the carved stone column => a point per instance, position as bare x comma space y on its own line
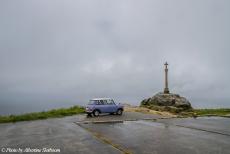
166, 89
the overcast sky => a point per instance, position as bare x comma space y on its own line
66, 52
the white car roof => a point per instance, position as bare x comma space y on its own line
94, 99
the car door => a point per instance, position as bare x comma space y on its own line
112, 107
103, 106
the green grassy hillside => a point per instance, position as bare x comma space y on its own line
43, 115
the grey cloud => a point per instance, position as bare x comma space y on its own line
61, 53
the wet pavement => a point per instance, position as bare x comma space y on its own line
131, 133
128, 116
160, 138
58, 133
212, 124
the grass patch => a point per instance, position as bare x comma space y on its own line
212, 112
191, 112
43, 115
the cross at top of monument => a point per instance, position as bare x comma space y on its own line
166, 64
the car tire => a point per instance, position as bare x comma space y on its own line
89, 115
96, 113
119, 112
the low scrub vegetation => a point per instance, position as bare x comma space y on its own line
191, 112
212, 112
43, 115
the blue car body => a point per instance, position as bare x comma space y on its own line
103, 105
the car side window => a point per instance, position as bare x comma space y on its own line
110, 102
101, 102
105, 102
97, 102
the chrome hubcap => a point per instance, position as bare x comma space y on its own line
96, 113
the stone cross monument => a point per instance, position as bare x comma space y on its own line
173, 102
166, 89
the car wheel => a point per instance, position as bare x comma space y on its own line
96, 113
119, 111
89, 115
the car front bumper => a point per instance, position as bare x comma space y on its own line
87, 110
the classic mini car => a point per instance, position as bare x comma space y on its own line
97, 106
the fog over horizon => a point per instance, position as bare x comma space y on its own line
63, 53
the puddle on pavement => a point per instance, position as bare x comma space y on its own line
217, 125
153, 135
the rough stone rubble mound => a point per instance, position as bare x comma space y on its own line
169, 100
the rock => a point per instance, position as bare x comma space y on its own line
170, 101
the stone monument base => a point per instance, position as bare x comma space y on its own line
167, 102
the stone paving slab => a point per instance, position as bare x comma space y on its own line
160, 138
58, 133
219, 125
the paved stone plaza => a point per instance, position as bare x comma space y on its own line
132, 133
